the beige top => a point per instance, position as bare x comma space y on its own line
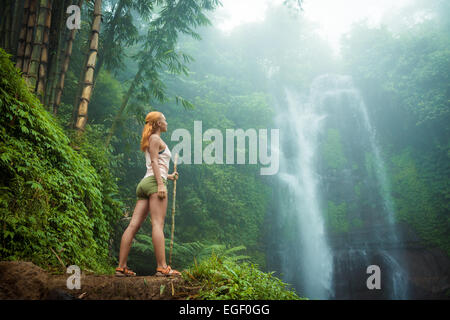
163, 163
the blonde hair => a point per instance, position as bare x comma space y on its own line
150, 127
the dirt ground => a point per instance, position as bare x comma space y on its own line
26, 281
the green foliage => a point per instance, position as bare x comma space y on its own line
158, 52
403, 74
92, 147
415, 203
223, 278
332, 150
227, 211
51, 196
142, 255
105, 99
336, 217
410, 69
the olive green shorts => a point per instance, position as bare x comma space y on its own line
147, 186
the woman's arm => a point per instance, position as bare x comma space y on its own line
155, 142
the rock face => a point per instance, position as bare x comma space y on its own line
429, 273
408, 269
25, 281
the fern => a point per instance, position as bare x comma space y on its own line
52, 196
222, 278
184, 255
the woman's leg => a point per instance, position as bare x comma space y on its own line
139, 215
158, 208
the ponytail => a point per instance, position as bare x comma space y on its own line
149, 128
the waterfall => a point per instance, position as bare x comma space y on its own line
298, 175
380, 169
333, 207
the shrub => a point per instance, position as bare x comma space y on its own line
51, 197
222, 278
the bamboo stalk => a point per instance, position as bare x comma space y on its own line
65, 66
5, 27
173, 207
43, 63
15, 27
109, 39
77, 97
54, 44
33, 71
31, 23
22, 35
89, 68
57, 49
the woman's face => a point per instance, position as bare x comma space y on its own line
163, 123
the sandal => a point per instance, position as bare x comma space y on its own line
125, 272
167, 272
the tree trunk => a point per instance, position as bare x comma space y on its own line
31, 24
38, 44
64, 67
57, 44
22, 36
10, 20
60, 34
5, 26
15, 27
78, 95
56, 31
3, 18
109, 38
43, 65
89, 68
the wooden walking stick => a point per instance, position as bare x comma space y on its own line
173, 207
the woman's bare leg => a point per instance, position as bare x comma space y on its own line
139, 215
158, 208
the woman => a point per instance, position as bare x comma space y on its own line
152, 195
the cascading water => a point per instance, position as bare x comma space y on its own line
315, 260
335, 215
380, 170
